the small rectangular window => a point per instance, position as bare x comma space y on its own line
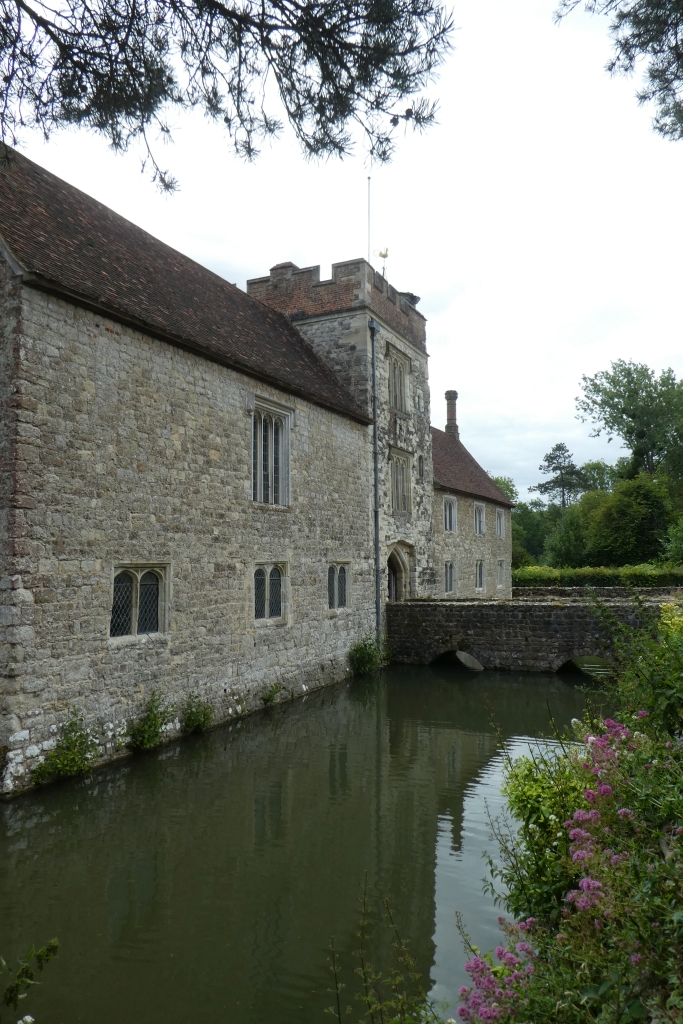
501, 574
449, 577
398, 373
500, 522
268, 592
479, 575
479, 521
449, 515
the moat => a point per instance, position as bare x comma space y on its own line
204, 881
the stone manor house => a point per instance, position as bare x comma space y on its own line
188, 493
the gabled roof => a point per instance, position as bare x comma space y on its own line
65, 242
456, 470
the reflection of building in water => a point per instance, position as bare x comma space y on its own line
207, 881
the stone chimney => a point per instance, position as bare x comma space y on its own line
451, 420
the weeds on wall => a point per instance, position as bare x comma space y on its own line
73, 754
146, 732
197, 715
24, 977
270, 695
367, 656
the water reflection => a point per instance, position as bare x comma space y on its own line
205, 881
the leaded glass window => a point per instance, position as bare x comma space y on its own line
122, 606
138, 606
148, 604
260, 594
331, 587
275, 596
341, 587
270, 458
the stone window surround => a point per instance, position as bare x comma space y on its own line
265, 406
283, 620
479, 575
500, 523
501, 573
450, 578
137, 569
334, 612
450, 522
479, 520
399, 361
400, 456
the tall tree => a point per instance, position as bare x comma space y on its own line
118, 66
649, 32
566, 479
645, 410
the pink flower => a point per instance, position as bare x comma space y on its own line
580, 855
635, 958
590, 795
643, 714
590, 885
624, 812
605, 790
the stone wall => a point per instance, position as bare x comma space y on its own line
532, 636
463, 547
134, 451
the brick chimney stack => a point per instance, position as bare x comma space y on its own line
451, 420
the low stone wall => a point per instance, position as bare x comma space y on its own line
539, 635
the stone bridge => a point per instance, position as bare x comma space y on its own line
538, 630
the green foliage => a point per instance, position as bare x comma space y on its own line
599, 576
600, 475
270, 695
120, 69
630, 526
507, 485
197, 715
24, 977
595, 864
673, 551
73, 754
646, 411
568, 542
146, 732
542, 791
532, 522
566, 479
367, 656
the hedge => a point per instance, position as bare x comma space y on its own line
624, 576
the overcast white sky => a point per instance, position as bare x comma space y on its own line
540, 221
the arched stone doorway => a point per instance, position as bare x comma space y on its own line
398, 575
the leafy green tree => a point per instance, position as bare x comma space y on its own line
645, 410
507, 485
649, 32
599, 475
566, 479
119, 66
534, 521
673, 552
631, 525
567, 545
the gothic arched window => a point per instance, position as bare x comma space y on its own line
275, 596
148, 604
268, 592
138, 606
260, 594
270, 458
341, 587
331, 587
122, 606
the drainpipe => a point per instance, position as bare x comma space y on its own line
374, 328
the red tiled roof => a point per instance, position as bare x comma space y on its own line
68, 243
456, 470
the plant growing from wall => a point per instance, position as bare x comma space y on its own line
197, 715
367, 656
24, 977
270, 695
146, 732
73, 754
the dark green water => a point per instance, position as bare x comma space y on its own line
204, 882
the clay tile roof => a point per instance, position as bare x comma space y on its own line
456, 470
66, 242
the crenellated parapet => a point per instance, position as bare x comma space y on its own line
354, 285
